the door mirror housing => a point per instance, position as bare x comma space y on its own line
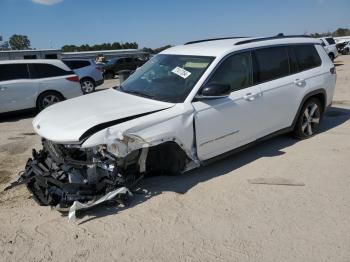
213, 91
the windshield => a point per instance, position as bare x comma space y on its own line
167, 77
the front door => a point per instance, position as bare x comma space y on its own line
226, 123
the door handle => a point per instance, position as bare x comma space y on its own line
2, 88
250, 96
299, 82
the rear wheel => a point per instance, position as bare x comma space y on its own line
87, 86
47, 99
309, 120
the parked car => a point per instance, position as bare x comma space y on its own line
187, 106
330, 46
26, 84
345, 48
90, 74
114, 66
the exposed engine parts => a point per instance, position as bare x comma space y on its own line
69, 178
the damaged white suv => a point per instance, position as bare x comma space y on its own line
186, 106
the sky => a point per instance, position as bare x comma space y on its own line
155, 23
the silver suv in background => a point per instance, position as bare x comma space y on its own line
329, 45
39, 83
90, 74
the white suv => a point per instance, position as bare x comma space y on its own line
26, 84
186, 106
90, 74
330, 46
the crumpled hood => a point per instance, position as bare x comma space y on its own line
69, 120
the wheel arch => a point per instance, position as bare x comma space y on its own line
88, 78
47, 91
319, 94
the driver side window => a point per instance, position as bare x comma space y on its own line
235, 71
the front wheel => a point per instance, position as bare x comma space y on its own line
309, 120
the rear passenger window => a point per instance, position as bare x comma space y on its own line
76, 64
307, 57
235, 71
46, 70
13, 72
271, 63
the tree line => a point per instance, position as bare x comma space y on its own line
336, 33
98, 47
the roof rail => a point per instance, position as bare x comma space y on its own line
213, 39
278, 36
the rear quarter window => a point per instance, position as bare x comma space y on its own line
270, 63
330, 41
46, 70
13, 72
307, 57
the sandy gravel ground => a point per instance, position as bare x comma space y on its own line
215, 213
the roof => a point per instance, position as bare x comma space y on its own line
225, 46
29, 61
31, 50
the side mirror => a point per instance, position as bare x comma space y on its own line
212, 91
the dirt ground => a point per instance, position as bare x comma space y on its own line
215, 213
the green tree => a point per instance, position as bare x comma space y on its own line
19, 42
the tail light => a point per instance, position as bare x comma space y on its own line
99, 68
73, 78
333, 70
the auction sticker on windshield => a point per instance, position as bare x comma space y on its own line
181, 72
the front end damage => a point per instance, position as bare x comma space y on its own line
59, 175
69, 177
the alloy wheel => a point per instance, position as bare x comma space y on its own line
50, 100
311, 119
87, 86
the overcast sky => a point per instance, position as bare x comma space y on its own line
153, 23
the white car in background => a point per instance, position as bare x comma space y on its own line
26, 84
329, 45
90, 74
186, 106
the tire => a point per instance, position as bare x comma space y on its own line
47, 99
109, 75
309, 119
87, 85
331, 56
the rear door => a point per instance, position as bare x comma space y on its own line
279, 94
17, 90
308, 75
226, 123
